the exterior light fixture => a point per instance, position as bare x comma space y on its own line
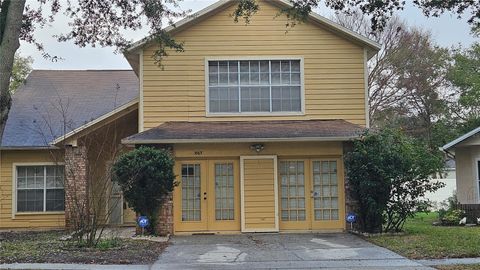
257, 147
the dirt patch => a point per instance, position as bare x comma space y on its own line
47, 247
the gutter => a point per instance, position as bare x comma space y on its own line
3, 148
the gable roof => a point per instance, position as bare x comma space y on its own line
248, 131
372, 46
460, 139
36, 118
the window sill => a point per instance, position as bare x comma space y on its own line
255, 114
39, 213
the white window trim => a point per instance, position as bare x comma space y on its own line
246, 58
476, 177
14, 188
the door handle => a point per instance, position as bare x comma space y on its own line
204, 195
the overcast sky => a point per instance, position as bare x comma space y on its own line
447, 30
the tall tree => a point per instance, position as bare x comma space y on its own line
21, 68
465, 75
383, 76
11, 14
100, 22
91, 22
422, 66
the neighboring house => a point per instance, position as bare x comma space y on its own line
258, 119
466, 150
439, 197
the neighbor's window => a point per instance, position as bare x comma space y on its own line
40, 188
254, 86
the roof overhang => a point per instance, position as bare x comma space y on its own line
247, 131
102, 120
240, 140
447, 147
132, 53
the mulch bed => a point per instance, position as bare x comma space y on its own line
47, 247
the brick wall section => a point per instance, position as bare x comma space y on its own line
76, 188
165, 216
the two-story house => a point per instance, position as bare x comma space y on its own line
257, 117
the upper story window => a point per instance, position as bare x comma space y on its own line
40, 188
255, 86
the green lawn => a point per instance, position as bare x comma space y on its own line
459, 267
422, 240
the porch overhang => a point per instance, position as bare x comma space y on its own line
247, 131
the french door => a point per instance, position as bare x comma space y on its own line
207, 197
311, 194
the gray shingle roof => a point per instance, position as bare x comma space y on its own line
176, 132
35, 118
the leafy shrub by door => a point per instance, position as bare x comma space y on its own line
390, 174
145, 176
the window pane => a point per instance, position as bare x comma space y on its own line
223, 99
286, 98
295, 64
293, 190
255, 99
254, 78
55, 200
325, 185
224, 191
30, 200
191, 193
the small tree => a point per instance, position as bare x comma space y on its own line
145, 176
390, 174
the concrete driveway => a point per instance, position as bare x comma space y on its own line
279, 251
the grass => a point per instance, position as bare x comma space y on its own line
459, 267
424, 241
47, 247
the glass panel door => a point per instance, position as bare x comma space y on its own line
325, 190
293, 184
191, 197
223, 195
224, 191
292, 191
191, 192
327, 194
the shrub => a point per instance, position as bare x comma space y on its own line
145, 176
390, 174
452, 217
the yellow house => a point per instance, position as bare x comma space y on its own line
258, 119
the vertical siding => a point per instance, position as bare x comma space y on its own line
333, 68
42, 220
259, 194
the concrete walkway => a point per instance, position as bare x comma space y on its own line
279, 251
262, 251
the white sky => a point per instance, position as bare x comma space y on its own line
447, 30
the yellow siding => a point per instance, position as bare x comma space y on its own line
333, 68
259, 195
290, 149
43, 220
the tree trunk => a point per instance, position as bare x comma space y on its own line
12, 13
